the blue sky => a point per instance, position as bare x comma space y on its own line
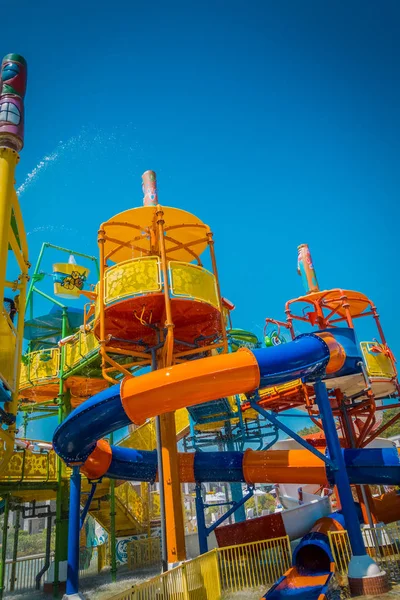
275, 122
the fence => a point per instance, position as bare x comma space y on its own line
251, 565
194, 580
382, 543
207, 577
144, 553
23, 576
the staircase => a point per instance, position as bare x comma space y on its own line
130, 511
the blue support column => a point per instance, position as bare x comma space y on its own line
237, 496
73, 532
201, 521
236, 488
340, 473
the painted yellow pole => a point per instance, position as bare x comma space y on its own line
8, 160
13, 75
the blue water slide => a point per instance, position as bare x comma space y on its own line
76, 437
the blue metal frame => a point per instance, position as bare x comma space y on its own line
73, 532
87, 505
236, 488
202, 530
340, 473
272, 419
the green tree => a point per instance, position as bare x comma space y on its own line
308, 430
265, 502
392, 429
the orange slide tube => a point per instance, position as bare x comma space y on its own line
189, 383
283, 466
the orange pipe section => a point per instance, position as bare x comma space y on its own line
337, 353
269, 466
99, 461
326, 524
283, 466
186, 467
188, 384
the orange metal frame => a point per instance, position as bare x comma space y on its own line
166, 356
332, 308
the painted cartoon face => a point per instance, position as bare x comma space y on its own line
12, 91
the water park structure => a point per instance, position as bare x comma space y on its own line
152, 352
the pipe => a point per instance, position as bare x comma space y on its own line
340, 474
15, 548
149, 188
60, 488
73, 532
4, 545
236, 488
201, 521
87, 505
113, 537
48, 551
305, 268
313, 554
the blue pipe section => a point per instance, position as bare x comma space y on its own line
133, 465
73, 532
306, 357
271, 417
219, 466
380, 464
319, 542
76, 437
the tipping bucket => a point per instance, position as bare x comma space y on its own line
69, 279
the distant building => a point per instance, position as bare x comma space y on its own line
34, 524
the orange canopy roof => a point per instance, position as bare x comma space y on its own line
333, 299
129, 234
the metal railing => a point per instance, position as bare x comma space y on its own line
379, 364
194, 580
132, 277
144, 553
26, 569
29, 466
230, 569
142, 275
245, 566
194, 282
23, 576
382, 543
83, 345
40, 365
